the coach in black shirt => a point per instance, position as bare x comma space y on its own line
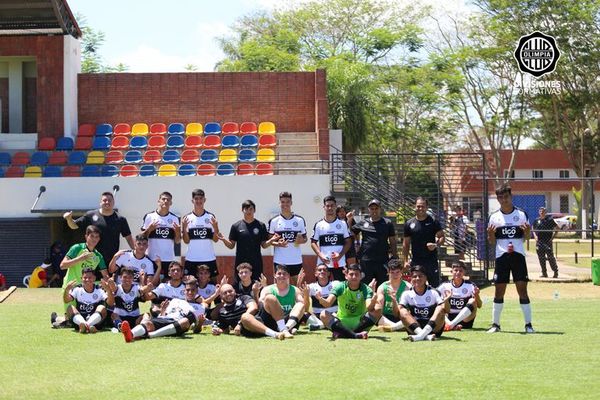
378, 242
544, 229
423, 235
228, 314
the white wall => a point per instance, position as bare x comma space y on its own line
72, 66
137, 196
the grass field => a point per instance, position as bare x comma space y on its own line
565, 250
562, 360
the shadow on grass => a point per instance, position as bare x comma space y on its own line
380, 338
534, 334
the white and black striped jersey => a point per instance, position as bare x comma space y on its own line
330, 237
129, 260
127, 303
315, 287
421, 306
508, 230
161, 241
86, 302
201, 245
287, 229
460, 294
180, 308
165, 291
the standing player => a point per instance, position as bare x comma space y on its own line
464, 299
331, 240
136, 260
422, 310
228, 316
507, 230
200, 232
389, 294
162, 229
287, 232
354, 300
423, 235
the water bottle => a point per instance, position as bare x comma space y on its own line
336, 263
556, 295
511, 248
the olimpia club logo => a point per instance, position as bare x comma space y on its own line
537, 54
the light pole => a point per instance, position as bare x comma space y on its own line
583, 188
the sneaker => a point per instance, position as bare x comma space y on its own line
294, 331
126, 329
313, 327
335, 335
287, 334
92, 329
555, 274
529, 328
543, 275
431, 337
384, 328
414, 338
494, 329
83, 328
53, 318
362, 335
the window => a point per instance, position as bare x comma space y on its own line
509, 175
563, 174
537, 174
564, 203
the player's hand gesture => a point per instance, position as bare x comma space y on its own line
391, 292
263, 280
104, 284
214, 223
431, 246
163, 307
184, 224
70, 285
350, 215
301, 276
153, 225
318, 295
447, 295
491, 231
373, 285
476, 291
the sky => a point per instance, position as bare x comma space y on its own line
165, 36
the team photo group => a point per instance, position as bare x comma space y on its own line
362, 280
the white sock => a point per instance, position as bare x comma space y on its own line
94, 319
138, 331
271, 333
424, 332
281, 325
78, 319
164, 331
464, 313
418, 331
496, 311
526, 308
397, 326
290, 324
313, 320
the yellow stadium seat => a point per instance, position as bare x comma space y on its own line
167, 170
228, 156
194, 129
33, 171
139, 129
265, 155
95, 157
266, 128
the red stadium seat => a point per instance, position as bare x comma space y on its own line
157, 142
47, 144
264, 169
57, 158
113, 157
267, 141
190, 155
129, 170
119, 142
13, 172
248, 128
152, 156
193, 142
158, 128
230, 128
20, 158
212, 141
122, 129
83, 143
245, 169
71, 171
86, 130
206, 170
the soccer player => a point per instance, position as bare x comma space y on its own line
354, 300
175, 318
136, 260
423, 235
89, 311
422, 309
200, 232
287, 232
248, 235
507, 230
174, 288
281, 307
464, 299
245, 285
227, 316
388, 294
128, 294
331, 240
378, 243
324, 285
162, 229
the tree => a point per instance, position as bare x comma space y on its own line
91, 60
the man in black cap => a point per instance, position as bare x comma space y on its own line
544, 230
378, 244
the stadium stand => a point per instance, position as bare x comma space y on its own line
206, 170
225, 170
175, 142
33, 171
122, 129
20, 158
167, 170
267, 141
66, 143
157, 142
230, 141
133, 156
86, 130
230, 128
39, 158
95, 157
76, 158
209, 155
120, 142
147, 170
101, 143
138, 142
248, 128
114, 157
212, 142
152, 156
265, 155
249, 141
5, 158
171, 156
90, 171
52, 171
176, 128
186, 170
104, 130
58, 158
245, 169
128, 170
266, 128
158, 128
212, 128
82, 143
47, 144
139, 129
13, 172
190, 156
109, 171
228, 156
193, 142
264, 169
71, 171
194, 129
247, 155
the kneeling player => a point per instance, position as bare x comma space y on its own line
354, 298
128, 296
464, 299
175, 318
89, 311
422, 310
281, 307
227, 316
388, 294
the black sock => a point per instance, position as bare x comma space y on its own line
365, 323
337, 327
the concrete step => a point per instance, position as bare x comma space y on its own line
304, 156
297, 149
18, 141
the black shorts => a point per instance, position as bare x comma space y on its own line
130, 319
391, 317
431, 268
191, 267
264, 317
337, 274
294, 269
465, 325
509, 263
161, 322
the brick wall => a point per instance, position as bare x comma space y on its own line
285, 98
48, 51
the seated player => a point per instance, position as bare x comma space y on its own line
175, 318
136, 260
227, 316
388, 294
281, 307
244, 284
174, 288
354, 300
89, 311
422, 310
324, 286
464, 299
206, 289
127, 297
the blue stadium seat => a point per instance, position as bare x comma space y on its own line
2, 172
212, 128
101, 143
231, 141
133, 156
246, 155
147, 170
176, 128
5, 158
171, 156
104, 130
209, 155
175, 142
39, 158
109, 170
52, 171
225, 170
186, 170
65, 144
77, 158
249, 141
90, 170
138, 142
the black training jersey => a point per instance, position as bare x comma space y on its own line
421, 233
